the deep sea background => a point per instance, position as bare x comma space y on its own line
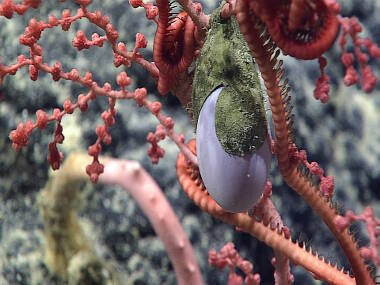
342, 135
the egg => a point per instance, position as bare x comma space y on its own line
235, 182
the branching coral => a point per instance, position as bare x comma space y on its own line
302, 29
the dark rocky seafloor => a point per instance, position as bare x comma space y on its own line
342, 135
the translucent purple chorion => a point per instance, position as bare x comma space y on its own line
234, 182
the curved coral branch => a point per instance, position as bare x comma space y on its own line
265, 54
302, 29
174, 44
192, 184
149, 196
134, 179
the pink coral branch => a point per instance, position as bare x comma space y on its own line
229, 257
373, 229
266, 211
145, 191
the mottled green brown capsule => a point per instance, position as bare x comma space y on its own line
240, 118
